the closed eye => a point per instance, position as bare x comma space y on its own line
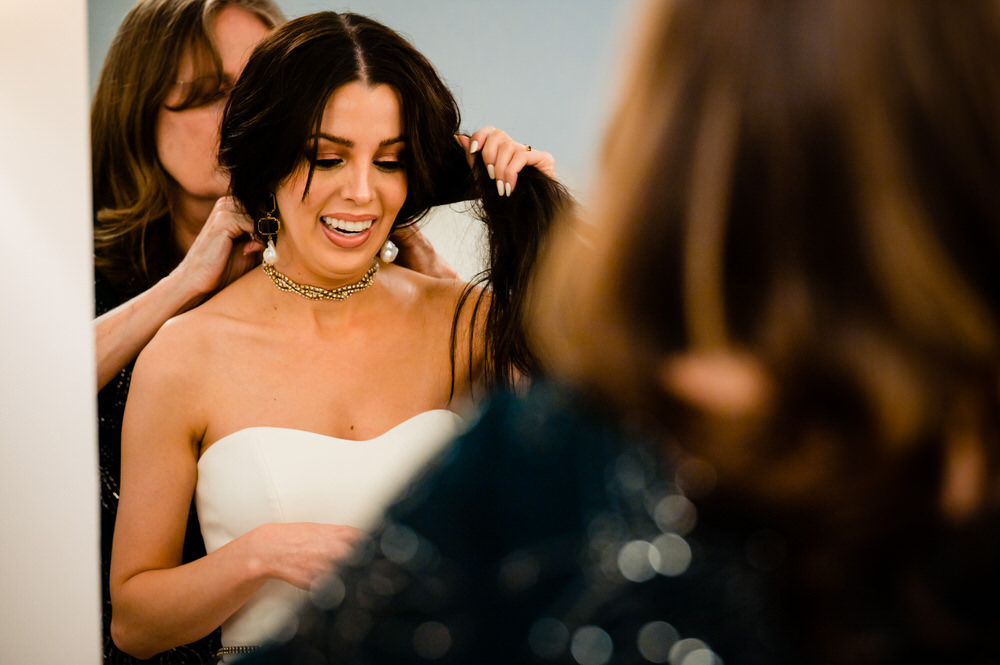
389, 164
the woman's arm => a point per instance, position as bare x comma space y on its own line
221, 252
158, 603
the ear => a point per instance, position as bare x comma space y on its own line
721, 383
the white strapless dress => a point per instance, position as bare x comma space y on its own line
261, 475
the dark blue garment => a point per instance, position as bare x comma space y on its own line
547, 534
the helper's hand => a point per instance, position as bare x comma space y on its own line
417, 253
223, 250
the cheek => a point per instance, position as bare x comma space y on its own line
187, 145
288, 195
191, 134
203, 131
291, 189
398, 191
166, 133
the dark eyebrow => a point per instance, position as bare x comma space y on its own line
350, 144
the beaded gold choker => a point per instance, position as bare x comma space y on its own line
286, 283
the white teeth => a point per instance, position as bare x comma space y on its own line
345, 226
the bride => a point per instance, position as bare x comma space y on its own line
295, 403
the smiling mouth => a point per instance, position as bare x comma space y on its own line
345, 226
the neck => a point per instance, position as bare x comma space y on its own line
188, 216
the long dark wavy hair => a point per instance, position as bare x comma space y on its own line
809, 188
277, 106
133, 238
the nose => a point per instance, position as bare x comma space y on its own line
358, 187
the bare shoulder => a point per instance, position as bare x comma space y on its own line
435, 298
408, 287
455, 302
169, 358
437, 288
184, 345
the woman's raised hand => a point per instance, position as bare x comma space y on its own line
223, 250
504, 157
302, 553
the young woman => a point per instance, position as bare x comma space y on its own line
294, 403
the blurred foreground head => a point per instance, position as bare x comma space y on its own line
792, 260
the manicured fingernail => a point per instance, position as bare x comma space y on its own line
500, 187
474, 147
489, 169
507, 188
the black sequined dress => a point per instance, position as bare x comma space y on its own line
546, 536
553, 535
110, 409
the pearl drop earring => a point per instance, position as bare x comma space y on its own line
389, 251
270, 253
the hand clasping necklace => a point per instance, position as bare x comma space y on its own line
286, 283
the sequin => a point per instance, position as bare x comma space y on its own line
328, 593
638, 561
675, 513
696, 477
548, 638
431, 640
674, 554
591, 645
655, 639
399, 544
692, 651
630, 473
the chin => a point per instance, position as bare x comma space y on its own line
214, 185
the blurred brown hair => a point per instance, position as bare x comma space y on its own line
807, 189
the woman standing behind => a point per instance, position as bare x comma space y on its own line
165, 232
297, 400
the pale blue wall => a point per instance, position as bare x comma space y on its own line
540, 69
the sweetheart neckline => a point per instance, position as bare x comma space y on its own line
327, 436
